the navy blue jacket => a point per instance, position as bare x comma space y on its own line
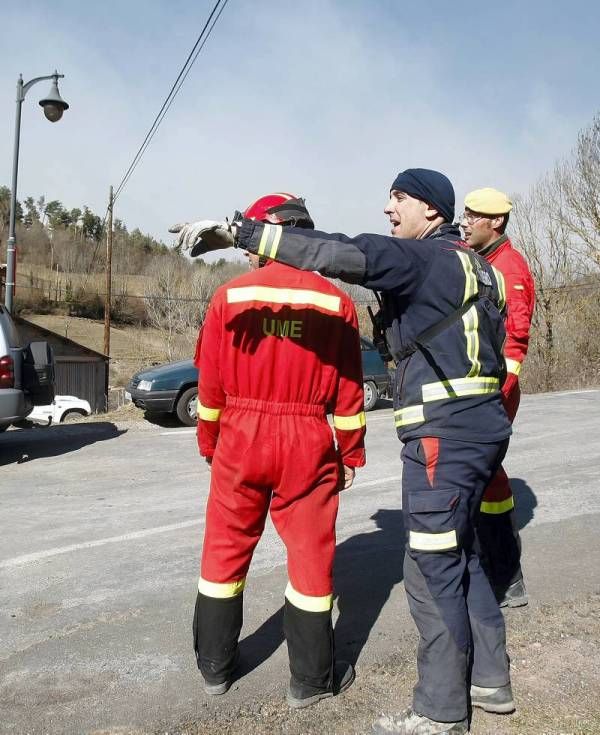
450, 388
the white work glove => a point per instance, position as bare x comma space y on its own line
203, 236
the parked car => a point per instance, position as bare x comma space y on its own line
375, 374
170, 388
173, 387
26, 373
61, 410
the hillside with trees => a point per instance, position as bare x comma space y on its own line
159, 297
556, 225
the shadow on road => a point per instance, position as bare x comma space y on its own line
525, 501
164, 420
259, 646
26, 445
367, 567
382, 403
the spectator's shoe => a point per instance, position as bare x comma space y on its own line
221, 687
493, 699
514, 596
412, 723
217, 689
303, 695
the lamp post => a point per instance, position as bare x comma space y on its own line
53, 106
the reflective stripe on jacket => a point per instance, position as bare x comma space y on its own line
450, 390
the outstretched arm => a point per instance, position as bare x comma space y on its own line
374, 261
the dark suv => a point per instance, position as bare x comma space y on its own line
26, 374
173, 388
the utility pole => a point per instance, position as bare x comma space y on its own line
109, 244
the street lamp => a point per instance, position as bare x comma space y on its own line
53, 106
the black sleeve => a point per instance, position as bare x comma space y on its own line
375, 261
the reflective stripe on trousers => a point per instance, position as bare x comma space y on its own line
449, 596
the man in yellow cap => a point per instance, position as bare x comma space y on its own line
484, 223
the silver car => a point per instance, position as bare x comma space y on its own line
26, 374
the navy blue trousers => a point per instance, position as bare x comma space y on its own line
462, 633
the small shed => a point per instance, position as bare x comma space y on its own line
79, 371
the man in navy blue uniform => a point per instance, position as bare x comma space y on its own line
442, 317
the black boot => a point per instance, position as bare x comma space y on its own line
217, 626
310, 647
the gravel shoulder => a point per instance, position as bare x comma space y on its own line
555, 659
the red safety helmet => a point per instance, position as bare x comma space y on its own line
280, 209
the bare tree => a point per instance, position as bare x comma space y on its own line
578, 180
177, 294
544, 240
561, 244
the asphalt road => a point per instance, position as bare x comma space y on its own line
101, 534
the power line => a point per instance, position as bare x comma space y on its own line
177, 84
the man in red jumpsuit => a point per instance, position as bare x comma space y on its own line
484, 223
278, 350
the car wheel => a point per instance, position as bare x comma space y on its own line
187, 407
371, 394
70, 416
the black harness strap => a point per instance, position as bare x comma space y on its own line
426, 336
484, 290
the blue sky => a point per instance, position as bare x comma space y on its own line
324, 99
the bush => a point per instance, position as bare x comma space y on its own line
90, 306
32, 301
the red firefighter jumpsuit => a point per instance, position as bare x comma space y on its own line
501, 545
279, 348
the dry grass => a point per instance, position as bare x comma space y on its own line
131, 348
133, 285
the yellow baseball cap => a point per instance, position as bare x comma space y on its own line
488, 201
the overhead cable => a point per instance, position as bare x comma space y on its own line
214, 16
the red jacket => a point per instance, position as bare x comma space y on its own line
282, 335
520, 302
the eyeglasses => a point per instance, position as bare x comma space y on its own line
471, 217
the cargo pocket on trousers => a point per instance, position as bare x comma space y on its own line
432, 519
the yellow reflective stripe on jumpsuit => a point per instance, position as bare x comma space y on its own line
271, 295
512, 366
221, 590
208, 414
497, 507
307, 602
348, 423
